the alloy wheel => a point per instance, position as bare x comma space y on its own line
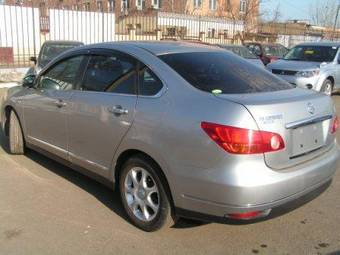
141, 194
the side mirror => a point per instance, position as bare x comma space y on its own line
28, 81
33, 59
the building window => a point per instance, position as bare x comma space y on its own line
243, 6
228, 5
156, 4
197, 3
140, 4
87, 6
111, 5
125, 5
100, 6
213, 5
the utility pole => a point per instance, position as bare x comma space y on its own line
336, 20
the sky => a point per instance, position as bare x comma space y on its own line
290, 9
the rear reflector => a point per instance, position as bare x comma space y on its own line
243, 141
335, 125
248, 215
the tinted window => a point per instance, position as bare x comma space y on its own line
223, 73
62, 76
149, 83
103, 71
312, 53
125, 85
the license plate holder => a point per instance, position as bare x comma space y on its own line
307, 139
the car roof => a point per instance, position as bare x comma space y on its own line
325, 43
159, 47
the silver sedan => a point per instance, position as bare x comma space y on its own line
180, 129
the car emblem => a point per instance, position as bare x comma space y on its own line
310, 108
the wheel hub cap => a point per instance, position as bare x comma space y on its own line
141, 193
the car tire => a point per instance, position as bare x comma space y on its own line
144, 195
16, 138
327, 87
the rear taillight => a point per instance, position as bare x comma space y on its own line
335, 125
243, 141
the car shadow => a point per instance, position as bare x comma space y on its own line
105, 195
111, 199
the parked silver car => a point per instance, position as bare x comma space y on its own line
180, 129
312, 66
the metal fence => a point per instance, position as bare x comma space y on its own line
23, 30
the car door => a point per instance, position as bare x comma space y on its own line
102, 110
47, 107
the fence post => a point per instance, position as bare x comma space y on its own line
199, 27
202, 36
158, 34
103, 25
132, 34
33, 18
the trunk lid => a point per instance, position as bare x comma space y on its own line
303, 118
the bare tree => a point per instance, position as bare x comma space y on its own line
250, 16
276, 15
322, 13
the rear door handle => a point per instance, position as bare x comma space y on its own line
118, 110
60, 103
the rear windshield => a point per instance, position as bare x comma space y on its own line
223, 73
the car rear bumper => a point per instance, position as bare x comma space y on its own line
261, 191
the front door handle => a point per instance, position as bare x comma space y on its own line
118, 110
60, 103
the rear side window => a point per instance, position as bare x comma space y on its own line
223, 73
149, 83
115, 73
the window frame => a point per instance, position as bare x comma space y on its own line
243, 6
197, 4
139, 63
79, 75
213, 5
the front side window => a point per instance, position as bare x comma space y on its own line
63, 76
312, 53
223, 73
115, 73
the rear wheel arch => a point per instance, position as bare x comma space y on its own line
331, 78
126, 155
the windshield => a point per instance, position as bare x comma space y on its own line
312, 53
241, 51
51, 51
223, 73
274, 50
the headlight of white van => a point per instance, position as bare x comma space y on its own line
308, 74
